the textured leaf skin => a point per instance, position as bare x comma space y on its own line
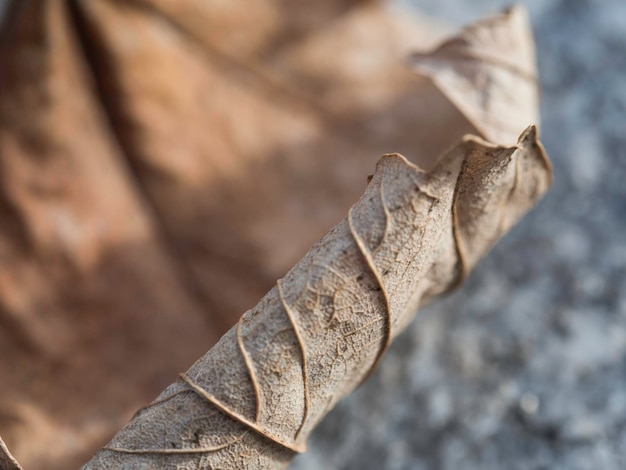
253, 399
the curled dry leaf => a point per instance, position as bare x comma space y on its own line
158, 176
253, 399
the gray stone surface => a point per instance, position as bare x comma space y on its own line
525, 366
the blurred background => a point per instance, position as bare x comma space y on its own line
524, 367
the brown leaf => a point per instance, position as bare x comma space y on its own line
489, 72
253, 399
239, 158
80, 257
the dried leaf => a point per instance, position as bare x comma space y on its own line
267, 175
489, 72
253, 399
80, 258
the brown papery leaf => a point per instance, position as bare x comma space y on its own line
253, 399
241, 155
163, 163
488, 71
